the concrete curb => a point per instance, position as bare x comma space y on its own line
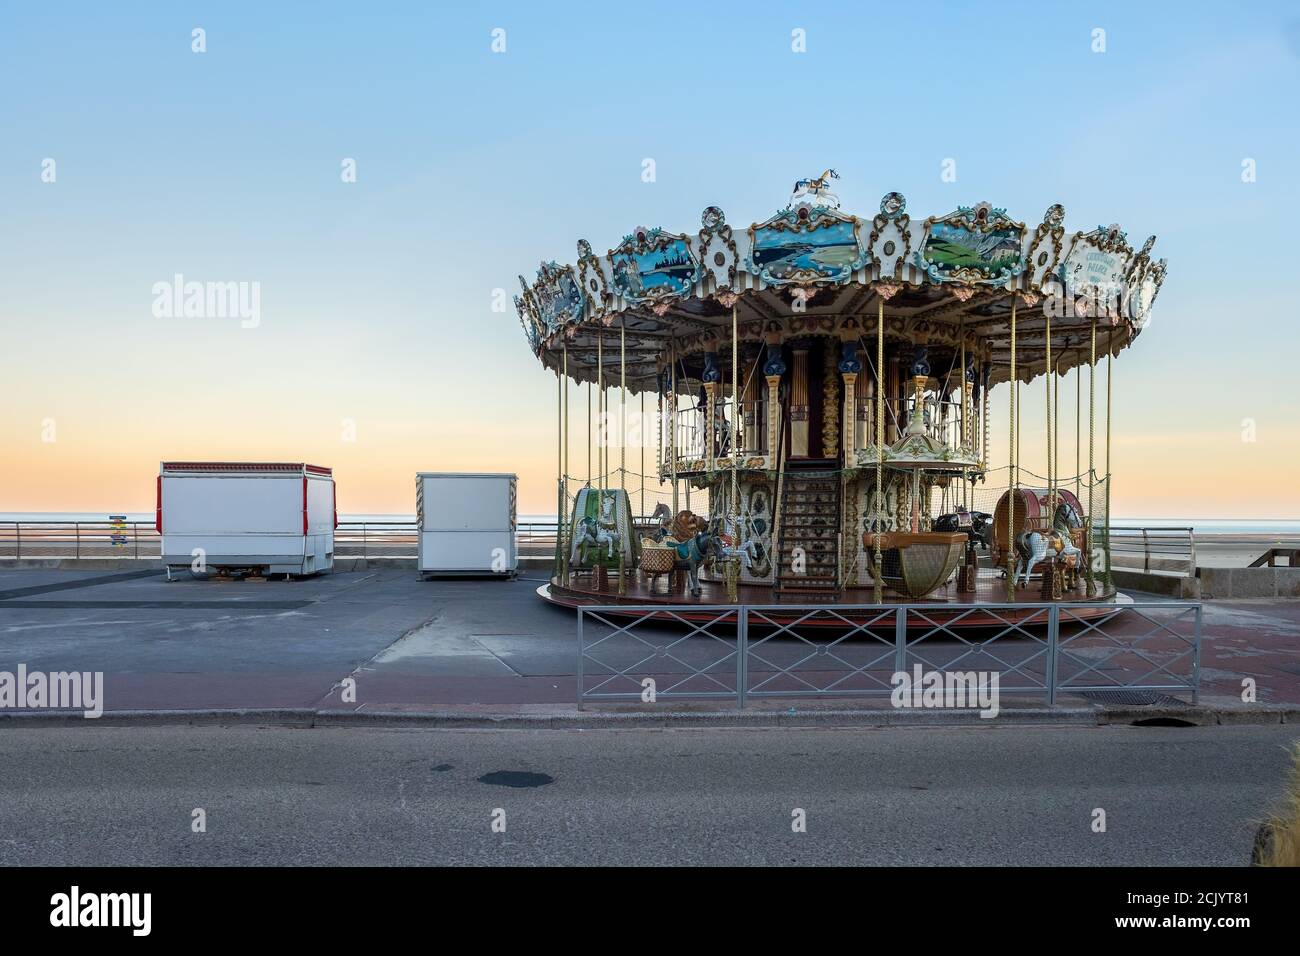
1095, 716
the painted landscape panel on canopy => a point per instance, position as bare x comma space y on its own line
666, 268
829, 250
954, 249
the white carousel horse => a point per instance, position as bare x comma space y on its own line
819, 187
1031, 549
748, 552
1032, 546
592, 535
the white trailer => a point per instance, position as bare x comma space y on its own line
272, 517
466, 523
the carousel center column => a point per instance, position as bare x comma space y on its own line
799, 404
849, 367
773, 369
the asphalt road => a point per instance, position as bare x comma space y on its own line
1009, 795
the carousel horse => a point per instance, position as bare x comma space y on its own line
978, 525
592, 535
686, 525
1065, 520
1032, 546
661, 518
819, 187
701, 547
749, 552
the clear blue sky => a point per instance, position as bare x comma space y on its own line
472, 166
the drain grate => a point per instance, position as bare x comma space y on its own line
1132, 698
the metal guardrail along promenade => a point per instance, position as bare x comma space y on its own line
138, 539
738, 653
1153, 550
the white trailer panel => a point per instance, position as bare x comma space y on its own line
275, 517
467, 523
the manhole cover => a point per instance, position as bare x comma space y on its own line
516, 778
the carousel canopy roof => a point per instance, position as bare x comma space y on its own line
812, 269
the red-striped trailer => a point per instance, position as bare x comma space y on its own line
268, 517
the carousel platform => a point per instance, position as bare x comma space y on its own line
945, 606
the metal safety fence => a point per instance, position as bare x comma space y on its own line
657, 652
37, 539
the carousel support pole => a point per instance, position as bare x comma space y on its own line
710, 432
622, 452
1092, 440
600, 406
559, 474
1019, 427
1047, 382
877, 588
641, 432
985, 418
659, 450
588, 434
1078, 430
961, 419
1051, 447
1013, 444
1110, 370
561, 518
1056, 430
964, 419
735, 428
672, 422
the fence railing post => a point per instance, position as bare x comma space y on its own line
135, 536
900, 639
582, 650
18, 529
76, 530
742, 654
1196, 660
1053, 649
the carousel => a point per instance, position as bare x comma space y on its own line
819, 407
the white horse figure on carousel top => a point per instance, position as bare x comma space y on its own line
819, 189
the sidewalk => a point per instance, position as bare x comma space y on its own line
481, 650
